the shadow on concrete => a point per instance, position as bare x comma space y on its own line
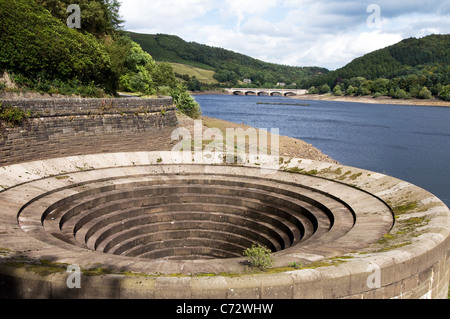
22, 278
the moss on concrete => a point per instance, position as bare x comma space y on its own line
302, 171
42, 267
403, 209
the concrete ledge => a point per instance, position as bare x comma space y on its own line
398, 247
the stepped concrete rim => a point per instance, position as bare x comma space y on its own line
32, 226
422, 251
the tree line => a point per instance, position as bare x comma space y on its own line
413, 68
230, 68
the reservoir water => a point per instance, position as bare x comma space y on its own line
408, 142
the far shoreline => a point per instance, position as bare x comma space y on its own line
353, 99
371, 100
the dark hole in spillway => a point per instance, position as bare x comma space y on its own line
187, 217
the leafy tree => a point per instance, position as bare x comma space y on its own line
445, 93
362, 91
194, 84
185, 102
230, 67
118, 48
35, 43
43, 54
409, 65
137, 57
313, 90
425, 93
337, 90
99, 17
380, 86
139, 67
400, 94
357, 81
138, 81
163, 75
325, 88
350, 90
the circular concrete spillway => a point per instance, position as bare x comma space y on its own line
198, 215
146, 219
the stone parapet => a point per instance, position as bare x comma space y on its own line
67, 127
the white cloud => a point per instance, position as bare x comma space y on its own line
292, 32
162, 16
244, 8
346, 47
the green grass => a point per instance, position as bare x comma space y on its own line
205, 76
149, 44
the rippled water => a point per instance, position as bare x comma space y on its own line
408, 142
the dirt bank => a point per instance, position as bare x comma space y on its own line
371, 100
288, 146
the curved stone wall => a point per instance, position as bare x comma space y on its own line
139, 225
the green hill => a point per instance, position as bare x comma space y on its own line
230, 67
404, 68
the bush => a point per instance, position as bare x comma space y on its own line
140, 81
400, 94
324, 89
313, 90
362, 91
12, 115
57, 86
445, 93
425, 93
259, 256
377, 95
164, 90
337, 90
39, 45
185, 102
350, 90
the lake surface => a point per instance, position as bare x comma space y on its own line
408, 142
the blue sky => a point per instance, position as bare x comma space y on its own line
293, 32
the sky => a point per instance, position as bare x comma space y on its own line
321, 33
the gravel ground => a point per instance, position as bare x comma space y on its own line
289, 147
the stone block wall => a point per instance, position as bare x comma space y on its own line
69, 127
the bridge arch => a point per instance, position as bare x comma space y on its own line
265, 92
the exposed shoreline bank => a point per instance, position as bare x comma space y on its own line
352, 99
371, 100
289, 147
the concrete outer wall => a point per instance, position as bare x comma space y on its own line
68, 127
417, 269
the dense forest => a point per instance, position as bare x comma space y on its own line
413, 68
41, 53
230, 68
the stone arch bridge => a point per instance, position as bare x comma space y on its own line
269, 92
